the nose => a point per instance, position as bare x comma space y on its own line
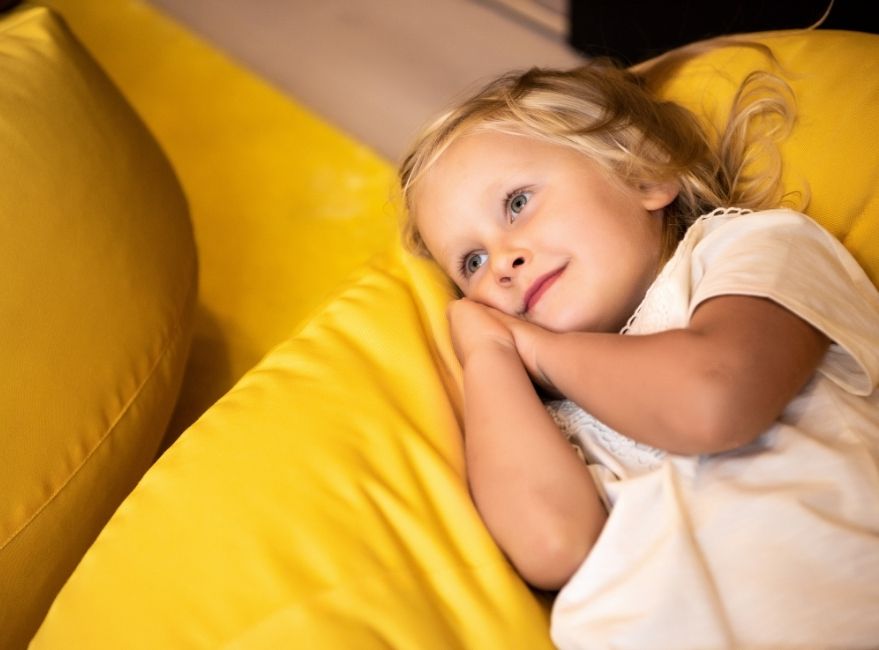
508, 264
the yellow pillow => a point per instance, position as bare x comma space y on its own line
833, 148
322, 502
284, 206
99, 268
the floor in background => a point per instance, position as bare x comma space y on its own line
379, 69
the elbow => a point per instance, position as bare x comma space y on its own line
550, 559
718, 435
715, 419
550, 564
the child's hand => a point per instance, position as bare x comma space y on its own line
475, 326
527, 337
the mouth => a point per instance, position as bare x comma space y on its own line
541, 286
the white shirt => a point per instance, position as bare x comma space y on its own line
775, 544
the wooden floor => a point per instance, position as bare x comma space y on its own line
378, 69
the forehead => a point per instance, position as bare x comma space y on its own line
474, 149
479, 162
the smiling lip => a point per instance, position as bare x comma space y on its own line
541, 285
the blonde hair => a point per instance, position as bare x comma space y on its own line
614, 116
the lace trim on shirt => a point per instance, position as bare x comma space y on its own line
580, 427
666, 269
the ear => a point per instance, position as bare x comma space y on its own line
656, 196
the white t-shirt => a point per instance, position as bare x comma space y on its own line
775, 544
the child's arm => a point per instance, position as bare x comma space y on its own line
535, 495
713, 386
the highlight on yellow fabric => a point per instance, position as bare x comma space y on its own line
98, 272
832, 150
284, 206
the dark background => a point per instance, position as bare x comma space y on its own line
635, 31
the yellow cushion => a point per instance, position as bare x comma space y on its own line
833, 149
284, 207
98, 268
322, 501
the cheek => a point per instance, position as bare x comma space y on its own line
470, 291
485, 292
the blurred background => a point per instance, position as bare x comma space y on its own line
379, 69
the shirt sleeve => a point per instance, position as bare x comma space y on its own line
788, 258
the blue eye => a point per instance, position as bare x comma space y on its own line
516, 202
471, 263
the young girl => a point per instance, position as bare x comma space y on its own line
717, 373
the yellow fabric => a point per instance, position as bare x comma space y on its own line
98, 283
284, 207
832, 150
321, 503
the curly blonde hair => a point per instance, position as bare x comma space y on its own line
614, 116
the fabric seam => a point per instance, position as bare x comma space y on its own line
172, 339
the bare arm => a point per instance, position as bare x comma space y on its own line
713, 386
535, 495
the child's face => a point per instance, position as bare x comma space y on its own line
539, 231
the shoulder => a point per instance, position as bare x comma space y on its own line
732, 223
759, 232
778, 239
726, 239
789, 258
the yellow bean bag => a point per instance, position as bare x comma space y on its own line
321, 503
98, 272
284, 207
